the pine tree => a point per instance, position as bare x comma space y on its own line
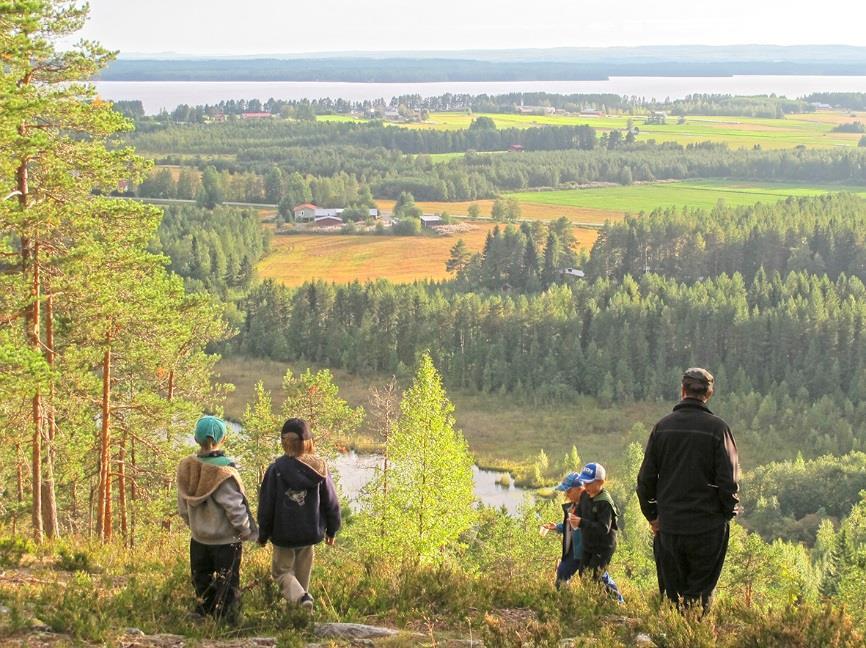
459, 258
123, 341
826, 556
53, 130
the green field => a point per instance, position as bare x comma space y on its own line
692, 193
810, 129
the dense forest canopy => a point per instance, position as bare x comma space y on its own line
823, 235
246, 154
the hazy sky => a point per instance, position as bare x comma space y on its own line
289, 26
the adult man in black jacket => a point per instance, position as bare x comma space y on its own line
687, 487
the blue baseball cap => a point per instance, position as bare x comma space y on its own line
209, 427
571, 480
592, 472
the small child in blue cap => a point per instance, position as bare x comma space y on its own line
572, 546
212, 502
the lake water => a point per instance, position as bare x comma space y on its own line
355, 471
156, 95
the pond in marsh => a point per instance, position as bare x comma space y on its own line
356, 470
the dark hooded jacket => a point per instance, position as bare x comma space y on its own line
298, 505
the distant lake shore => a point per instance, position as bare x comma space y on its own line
159, 95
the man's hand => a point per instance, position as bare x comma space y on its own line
550, 526
573, 521
330, 541
655, 526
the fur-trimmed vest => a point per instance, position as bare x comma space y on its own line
211, 500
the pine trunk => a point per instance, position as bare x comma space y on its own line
33, 324
103, 507
73, 500
49, 499
19, 486
90, 502
121, 490
36, 469
133, 492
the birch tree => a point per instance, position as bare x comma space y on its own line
430, 493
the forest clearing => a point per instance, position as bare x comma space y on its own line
297, 258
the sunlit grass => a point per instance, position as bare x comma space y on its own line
810, 129
295, 259
530, 209
693, 193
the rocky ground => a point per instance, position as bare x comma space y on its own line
511, 624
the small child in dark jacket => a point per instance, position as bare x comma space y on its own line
596, 517
298, 508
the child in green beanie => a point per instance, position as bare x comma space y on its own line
212, 502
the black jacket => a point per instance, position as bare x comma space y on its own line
688, 479
298, 505
597, 523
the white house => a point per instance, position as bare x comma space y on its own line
305, 213
573, 272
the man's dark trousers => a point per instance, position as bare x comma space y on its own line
216, 577
689, 566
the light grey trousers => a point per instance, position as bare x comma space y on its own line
291, 569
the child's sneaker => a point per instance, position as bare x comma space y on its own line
306, 601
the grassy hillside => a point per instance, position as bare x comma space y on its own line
75, 592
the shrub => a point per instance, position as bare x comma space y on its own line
13, 550
406, 227
75, 561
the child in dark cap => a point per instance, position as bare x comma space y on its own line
298, 508
212, 502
